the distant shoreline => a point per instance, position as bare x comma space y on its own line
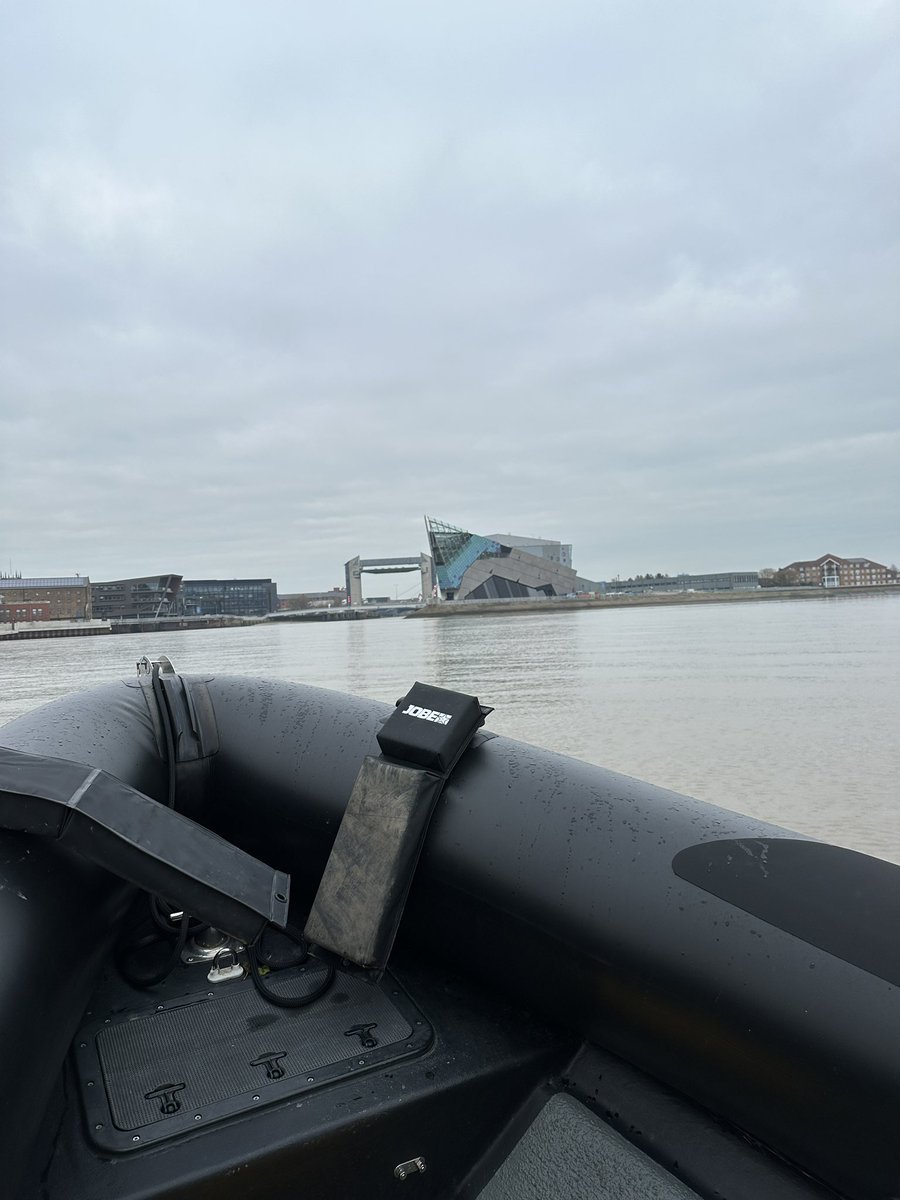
491, 608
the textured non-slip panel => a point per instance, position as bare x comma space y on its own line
227, 1049
567, 1153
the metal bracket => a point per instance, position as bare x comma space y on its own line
145, 665
226, 966
206, 945
413, 1166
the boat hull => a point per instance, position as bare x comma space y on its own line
620, 911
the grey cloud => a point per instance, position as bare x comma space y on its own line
277, 282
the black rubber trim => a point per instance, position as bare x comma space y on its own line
142, 841
841, 901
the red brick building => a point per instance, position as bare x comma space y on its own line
60, 599
30, 610
832, 571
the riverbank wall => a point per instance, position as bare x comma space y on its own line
26, 630
20, 631
486, 608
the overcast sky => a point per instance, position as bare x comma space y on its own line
277, 279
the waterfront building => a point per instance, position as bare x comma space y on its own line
292, 601
63, 598
227, 597
719, 581
470, 566
137, 599
23, 610
833, 571
559, 552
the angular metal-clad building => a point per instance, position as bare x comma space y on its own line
472, 567
135, 599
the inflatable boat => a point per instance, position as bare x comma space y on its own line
265, 940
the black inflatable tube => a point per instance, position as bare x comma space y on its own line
58, 914
555, 880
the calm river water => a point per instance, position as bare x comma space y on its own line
787, 710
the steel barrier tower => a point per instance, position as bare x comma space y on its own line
357, 567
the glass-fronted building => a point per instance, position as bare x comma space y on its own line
469, 566
227, 597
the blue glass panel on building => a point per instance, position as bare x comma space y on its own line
454, 550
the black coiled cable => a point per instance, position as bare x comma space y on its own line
276, 998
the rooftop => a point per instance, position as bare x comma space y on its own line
11, 584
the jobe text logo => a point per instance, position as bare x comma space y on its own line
427, 714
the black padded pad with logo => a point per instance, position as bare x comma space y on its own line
430, 727
362, 894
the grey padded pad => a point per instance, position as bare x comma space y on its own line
363, 890
569, 1153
